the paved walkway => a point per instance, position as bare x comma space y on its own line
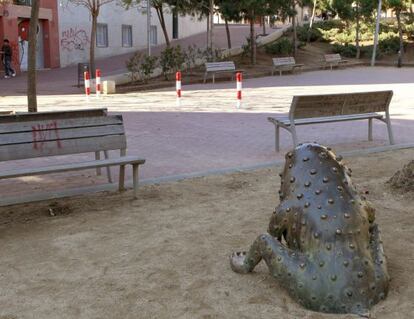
64, 80
209, 133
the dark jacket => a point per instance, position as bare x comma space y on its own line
7, 50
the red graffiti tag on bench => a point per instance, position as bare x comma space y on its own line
43, 133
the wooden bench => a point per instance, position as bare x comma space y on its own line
26, 136
284, 64
333, 60
314, 109
220, 67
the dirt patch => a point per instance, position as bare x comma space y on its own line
403, 180
165, 255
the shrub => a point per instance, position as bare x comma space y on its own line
282, 46
347, 50
171, 60
247, 48
148, 66
328, 25
191, 56
388, 42
302, 32
133, 65
211, 55
141, 66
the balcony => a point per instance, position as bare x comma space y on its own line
23, 2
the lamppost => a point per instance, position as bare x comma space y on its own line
149, 27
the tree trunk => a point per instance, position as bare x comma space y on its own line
358, 49
311, 21
92, 66
228, 33
377, 25
295, 36
31, 68
252, 41
400, 33
208, 30
398, 14
264, 25
160, 13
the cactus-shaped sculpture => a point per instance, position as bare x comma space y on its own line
322, 244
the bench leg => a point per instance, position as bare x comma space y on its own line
294, 136
214, 78
369, 129
135, 179
121, 178
205, 78
98, 157
390, 134
277, 138
108, 169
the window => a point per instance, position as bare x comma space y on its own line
154, 35
127, 36
102, 35
175, 26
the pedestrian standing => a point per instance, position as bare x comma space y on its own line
6, 56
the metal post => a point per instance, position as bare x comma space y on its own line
149, 27
211, 44
377, 25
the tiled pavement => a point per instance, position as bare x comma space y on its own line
208, 133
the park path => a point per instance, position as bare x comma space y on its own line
64, 80
207, 133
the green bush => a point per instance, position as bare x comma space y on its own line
347, 50
302, 32
328, 25
388, 42
282, 46
141, 66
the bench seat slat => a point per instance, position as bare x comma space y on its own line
62, 134
60, 124
71, 167
327, 119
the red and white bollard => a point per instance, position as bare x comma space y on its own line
239, 77
87, 80
178, 87
98, 83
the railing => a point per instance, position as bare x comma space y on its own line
23, 2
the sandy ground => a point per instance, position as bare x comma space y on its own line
165, 255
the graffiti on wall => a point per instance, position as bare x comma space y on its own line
74, 39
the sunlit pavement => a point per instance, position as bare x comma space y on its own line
207, 132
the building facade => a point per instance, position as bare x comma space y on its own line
64, 31
119, 30
14, 26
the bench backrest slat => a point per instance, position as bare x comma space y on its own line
333, 57
31, 139
38, 116
284, 61
308, 106
220, 66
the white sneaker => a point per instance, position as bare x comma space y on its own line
14, 74
6, 77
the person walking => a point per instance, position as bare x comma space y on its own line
7, 53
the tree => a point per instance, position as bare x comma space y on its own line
399, 7
230, 12
94, 7
350, 10
31, 67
